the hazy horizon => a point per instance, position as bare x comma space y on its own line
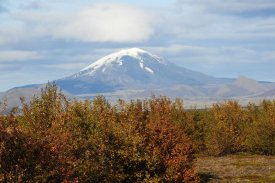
45, 40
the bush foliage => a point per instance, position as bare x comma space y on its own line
53, 139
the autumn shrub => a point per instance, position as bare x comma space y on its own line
129, 142
24, 158
192, 122
260, 128
224, 129
230, 128
33, 138
171, 147
56, 139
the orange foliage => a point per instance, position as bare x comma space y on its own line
53, 139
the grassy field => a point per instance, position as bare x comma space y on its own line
237, 168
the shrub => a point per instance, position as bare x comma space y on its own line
57, 140
223, 133
260, 129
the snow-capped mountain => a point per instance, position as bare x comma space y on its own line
131, 69
135, 73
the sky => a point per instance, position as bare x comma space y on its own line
41, 41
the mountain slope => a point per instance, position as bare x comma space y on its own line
131, 69
13, 96
269, 93
242, 86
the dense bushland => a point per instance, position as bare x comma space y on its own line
228, 128
53, 139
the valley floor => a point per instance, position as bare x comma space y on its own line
237, 168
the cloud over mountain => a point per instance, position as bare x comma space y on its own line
108, 22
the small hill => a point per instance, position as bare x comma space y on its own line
242, 86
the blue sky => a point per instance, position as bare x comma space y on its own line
45, 40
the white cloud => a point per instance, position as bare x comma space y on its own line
206, 20
178, 50
101, 22
190, 54
17, 55
108, 23
68, 66
229, 6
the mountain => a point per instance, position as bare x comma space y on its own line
136, 73
131, 69
242, 86
267, 94
13, 96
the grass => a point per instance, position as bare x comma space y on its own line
237, 168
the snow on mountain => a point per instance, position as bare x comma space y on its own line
120, 59
132, 68
136, 73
